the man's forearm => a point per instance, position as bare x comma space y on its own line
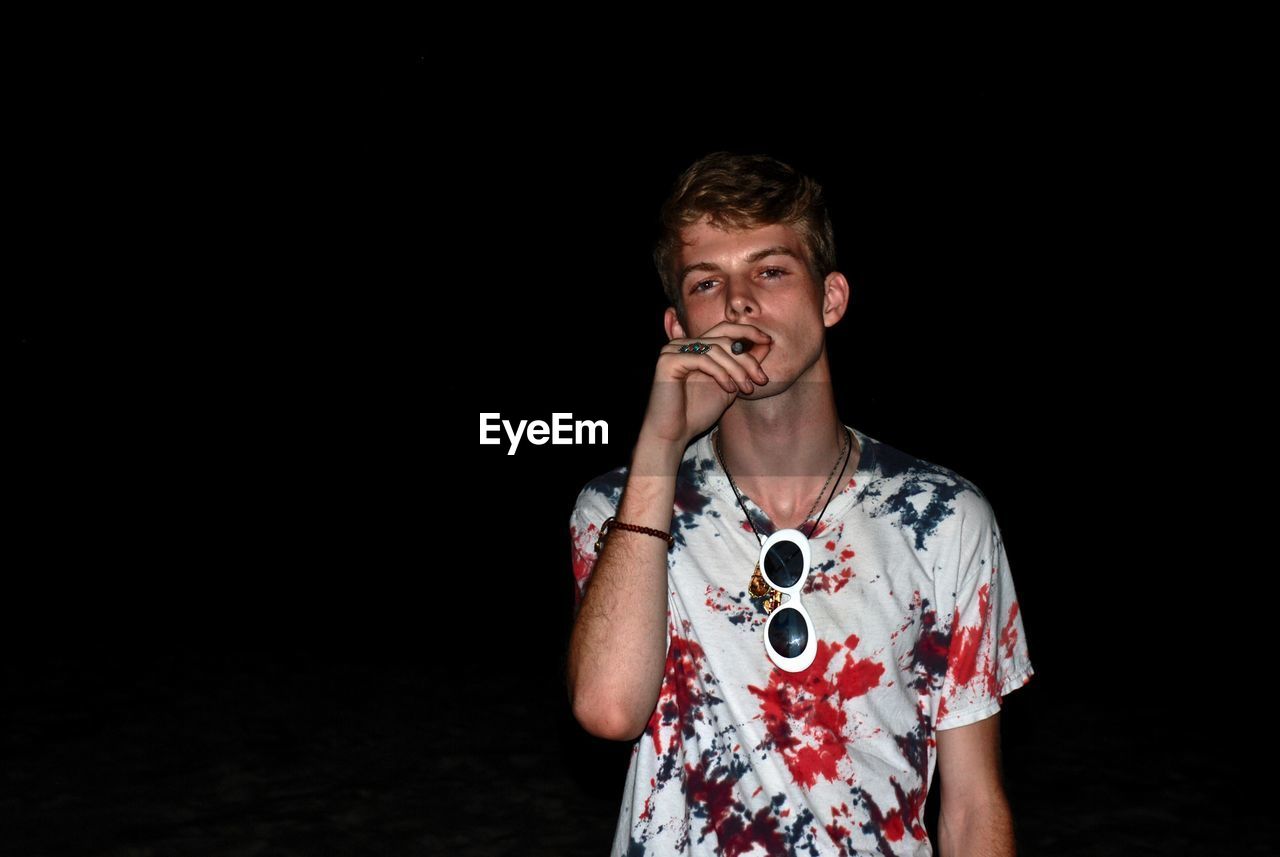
616, 651
981, 831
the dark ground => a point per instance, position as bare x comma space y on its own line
289, 755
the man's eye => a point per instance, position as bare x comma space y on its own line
698, 286
777, 272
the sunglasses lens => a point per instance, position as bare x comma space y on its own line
788, 633
784, 564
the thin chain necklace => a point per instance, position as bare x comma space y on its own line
758, 588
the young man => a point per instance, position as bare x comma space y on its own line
742, 744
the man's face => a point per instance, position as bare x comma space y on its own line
758, 277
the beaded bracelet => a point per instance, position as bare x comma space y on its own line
614, 522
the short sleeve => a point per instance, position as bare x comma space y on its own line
987, 656
589, 511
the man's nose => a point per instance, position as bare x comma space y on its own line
739, 301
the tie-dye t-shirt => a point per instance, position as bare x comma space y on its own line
918, 630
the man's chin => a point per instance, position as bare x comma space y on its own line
758, 392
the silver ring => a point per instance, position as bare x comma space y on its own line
695, 347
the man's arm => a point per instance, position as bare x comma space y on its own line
974, 818
616, 650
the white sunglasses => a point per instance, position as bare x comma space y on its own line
789, 637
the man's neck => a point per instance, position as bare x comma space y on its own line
781, 451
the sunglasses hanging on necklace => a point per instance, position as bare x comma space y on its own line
782, 569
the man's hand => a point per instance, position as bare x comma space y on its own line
691, 390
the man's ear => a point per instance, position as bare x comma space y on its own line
835, 298
671, 321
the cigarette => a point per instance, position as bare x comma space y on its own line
741, 345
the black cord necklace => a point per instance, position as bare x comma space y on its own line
758, 588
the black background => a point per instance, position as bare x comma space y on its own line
245, 412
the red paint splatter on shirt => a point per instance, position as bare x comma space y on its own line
828, 582
821, 528
904, 818
725, 816
837, 831
966, 641
682, 699
584, 560
1009, 636
803, 712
